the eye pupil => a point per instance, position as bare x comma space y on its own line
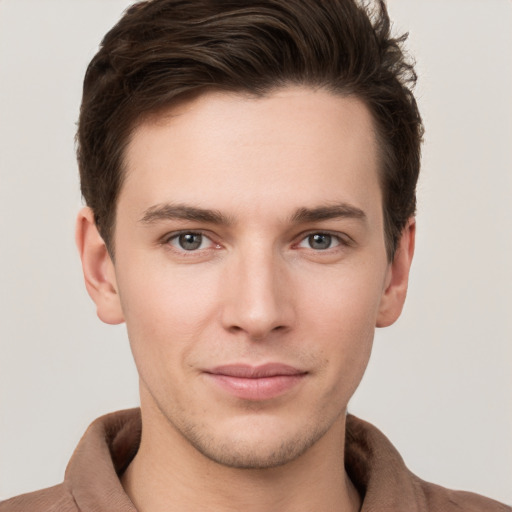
190, 241
320, 241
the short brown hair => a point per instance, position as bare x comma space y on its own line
163, 49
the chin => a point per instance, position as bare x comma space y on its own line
256, 450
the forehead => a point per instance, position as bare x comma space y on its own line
253, 154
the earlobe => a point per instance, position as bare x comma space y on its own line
393, 298
98, 269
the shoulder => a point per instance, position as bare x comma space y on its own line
52, 499
440, 499
380, 474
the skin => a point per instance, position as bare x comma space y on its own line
258, 289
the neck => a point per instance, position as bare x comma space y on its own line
168, 470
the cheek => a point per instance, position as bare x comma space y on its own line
166, 311
346, 298
341, 320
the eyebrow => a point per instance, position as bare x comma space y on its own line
335, 211
170, 211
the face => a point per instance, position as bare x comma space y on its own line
251, 269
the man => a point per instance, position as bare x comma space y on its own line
249, 171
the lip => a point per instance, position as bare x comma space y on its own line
256, 383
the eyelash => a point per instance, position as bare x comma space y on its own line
176, 235
342, 241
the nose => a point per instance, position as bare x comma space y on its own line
258, 295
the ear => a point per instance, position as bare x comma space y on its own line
397, 279
98, 268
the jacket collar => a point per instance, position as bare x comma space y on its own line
111, 442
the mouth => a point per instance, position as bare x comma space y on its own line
256, 383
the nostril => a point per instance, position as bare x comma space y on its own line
235, 328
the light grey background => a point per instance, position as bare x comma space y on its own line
440, 381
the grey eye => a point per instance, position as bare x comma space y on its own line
190, 241
320, 241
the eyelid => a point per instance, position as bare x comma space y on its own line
168, 237
343, 239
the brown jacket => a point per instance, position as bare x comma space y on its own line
91, 483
